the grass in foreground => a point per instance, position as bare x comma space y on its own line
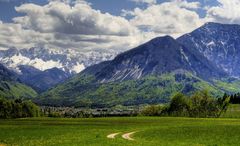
92, 132
233, 111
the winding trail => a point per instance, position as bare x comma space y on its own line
112, 136
127, 136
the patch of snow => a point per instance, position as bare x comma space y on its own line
185, 56
78, 68
44, 65
210, 44
68, 60
38, 63
223, 43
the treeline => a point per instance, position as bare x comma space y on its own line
234, 98
18, 109
200, 104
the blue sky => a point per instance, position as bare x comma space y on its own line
8, 8
113, 7
105, 25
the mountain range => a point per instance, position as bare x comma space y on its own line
70, 61
151, 73
154, 71
42, 68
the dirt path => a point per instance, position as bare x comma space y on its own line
112, 136
127, 136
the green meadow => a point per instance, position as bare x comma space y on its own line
150, 131
233, 111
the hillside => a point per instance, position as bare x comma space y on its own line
10, 86
219, 43
148, 74
80, 92
39, 80
158, 56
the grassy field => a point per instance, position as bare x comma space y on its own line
233, 111
151, 131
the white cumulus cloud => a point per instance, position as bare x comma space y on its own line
145, 1
61, 25
79, 19
226, 12
172, 18
186, 4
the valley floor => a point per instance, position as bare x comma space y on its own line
150, 131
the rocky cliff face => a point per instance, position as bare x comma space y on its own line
158, 56
219, 43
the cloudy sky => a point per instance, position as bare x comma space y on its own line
106, 25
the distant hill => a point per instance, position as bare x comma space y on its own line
42, 80
11, 87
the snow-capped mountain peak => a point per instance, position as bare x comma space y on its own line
18, 59
70, 61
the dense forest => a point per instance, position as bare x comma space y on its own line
200, 104
234, 98
18, 109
